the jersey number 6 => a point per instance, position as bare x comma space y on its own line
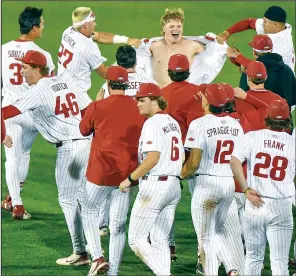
65, 108
175, 154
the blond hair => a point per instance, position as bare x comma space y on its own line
80, 14
173, 14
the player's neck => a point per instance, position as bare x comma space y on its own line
170, 43
131, 70
154, 110
27, 37
256, 87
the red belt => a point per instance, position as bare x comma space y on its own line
160, 178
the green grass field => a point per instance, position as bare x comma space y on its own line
32, 247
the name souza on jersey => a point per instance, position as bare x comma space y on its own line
222, 130
16, 54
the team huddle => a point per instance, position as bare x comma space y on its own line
158, 121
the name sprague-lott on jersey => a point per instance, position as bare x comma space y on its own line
79, 56
55, 108
216, 137
14, 84
162, 133
271, 162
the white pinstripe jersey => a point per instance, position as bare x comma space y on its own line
271, 162
14, 85
135, 79
162, 133
79, 56
282, 43
55, 106
216, 137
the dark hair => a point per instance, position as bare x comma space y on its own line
261, 54
29, 18
216, 110
229, 107
44, 71
178, 76
126, 56
275, 124
162, 103
257, 80
117, 85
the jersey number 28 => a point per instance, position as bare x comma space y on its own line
70, 106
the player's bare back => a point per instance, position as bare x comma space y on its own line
161, 52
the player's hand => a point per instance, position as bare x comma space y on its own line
7, 141
239, 93
134, 42
221, 38
255, 198
100, 94
124, 186
210, 36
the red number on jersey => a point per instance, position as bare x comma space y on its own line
66, 108
220, 157
18, 78
65, 52
175, 154
278, 169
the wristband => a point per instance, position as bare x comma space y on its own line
245, 191
130, 179
120, 39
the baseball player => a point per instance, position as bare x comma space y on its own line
20, 128
113, 155
56, 110
270, 190
272, 24
79, 54
212, 139
160, 158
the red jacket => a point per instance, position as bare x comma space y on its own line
116, 124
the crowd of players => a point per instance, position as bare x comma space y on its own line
154, 102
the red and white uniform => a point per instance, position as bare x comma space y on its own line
216, 137
271, 171
160, 190
79, 55
56, 107
20, 128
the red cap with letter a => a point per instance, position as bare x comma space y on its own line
256, 69
216, 95
148, 90
261, 43
229, 91
278, 109
117, 73
34, 58
178, 63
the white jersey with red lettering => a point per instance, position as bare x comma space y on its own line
55, 106
79, 55
282, 43
14, 85
135, 79
216, 137
162, 133
271, 162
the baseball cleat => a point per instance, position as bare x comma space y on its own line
74, 259
99, 266
173, 253
103, 231
6, 204
233, 272
292, 263
19, 212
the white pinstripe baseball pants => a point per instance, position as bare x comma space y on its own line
153, 212
273, 222
23, 132
70, 170
93, 198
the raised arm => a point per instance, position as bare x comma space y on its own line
109, 38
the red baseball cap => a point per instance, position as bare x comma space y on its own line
278, 109
117, 73
35, 58
178, 63
216, 95
261, 43
256, 69
229, 91
148, 90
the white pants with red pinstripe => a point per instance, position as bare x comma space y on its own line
153, 212
23, 132
93, 198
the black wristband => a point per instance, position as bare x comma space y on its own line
130, 179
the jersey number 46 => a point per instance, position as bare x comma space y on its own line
70, 106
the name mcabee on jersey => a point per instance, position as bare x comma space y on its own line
69, 39
59, 86
222, 130
16, 54
170, 127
